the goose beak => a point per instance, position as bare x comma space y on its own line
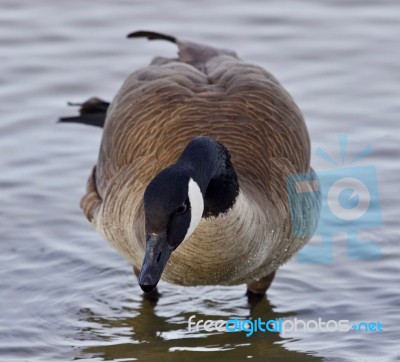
157, 254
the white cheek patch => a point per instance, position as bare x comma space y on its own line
197, 206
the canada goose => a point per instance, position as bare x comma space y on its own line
191, 183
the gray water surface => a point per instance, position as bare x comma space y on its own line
66, 294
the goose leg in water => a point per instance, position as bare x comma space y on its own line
256, 289
153, 295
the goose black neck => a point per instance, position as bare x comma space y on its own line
210, 166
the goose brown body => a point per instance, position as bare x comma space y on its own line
155, 114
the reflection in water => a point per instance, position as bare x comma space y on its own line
147, 327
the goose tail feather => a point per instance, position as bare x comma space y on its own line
192, 53
92, 112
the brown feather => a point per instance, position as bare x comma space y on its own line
157, 111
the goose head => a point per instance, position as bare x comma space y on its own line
202, 183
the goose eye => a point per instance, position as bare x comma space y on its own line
182, 209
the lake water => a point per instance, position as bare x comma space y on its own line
66, 294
